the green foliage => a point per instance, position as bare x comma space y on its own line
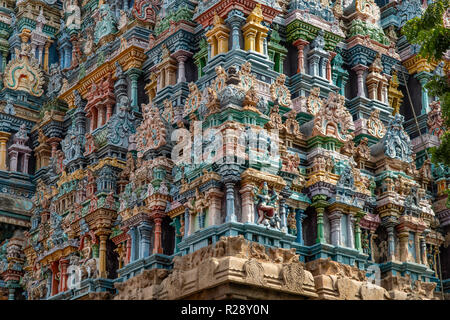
429, 32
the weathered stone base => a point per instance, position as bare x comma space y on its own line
235, 268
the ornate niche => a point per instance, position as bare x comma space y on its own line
198, 208
333, 119
314, 102
23, 72
374, 125
396, 142
193, 100
280, 93
151, 134
248, 80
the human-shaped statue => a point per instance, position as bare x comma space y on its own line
267, 206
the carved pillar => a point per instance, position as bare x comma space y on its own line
145, 233
351, 235
372, 233
4, 137
13, 155
335, 222
55, 281
417, 247
102, 256
46, 54
300, 44
181, 68
283, 214
128, 249
235, 22
26, 158
157, 248
64, 263
250, 40
423, 78
134, 76
403, 243
248, 206
132, 244
320, 206
54, 141
67, 57
329, 77
314, 65
423, 250
358, 245
100, 118
186, 222
323, 68
359, 69
231, 215
299, 216
109, 111
215, 207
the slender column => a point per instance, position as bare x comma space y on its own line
54, 143
323, 65
235, 23
134, 76
417, 245
329, 76
320, 233
250, 39
67, 57
102, 256
108, 111
11, 294
351, 236
99, 116
181, 69
299, 216
132, 244
248, 206
145, 234
3, 62
4, 137
358, 245
186, 222
40, 51
215, 207
314, 65
64, 263
371, 234
46, 54
128, 249
55, 282
423, 78
391, 243
359, 69
231, 215
157, 248
335, 222
423, 249
283, 215
403, 243
13, 155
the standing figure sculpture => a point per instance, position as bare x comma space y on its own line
267, 206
